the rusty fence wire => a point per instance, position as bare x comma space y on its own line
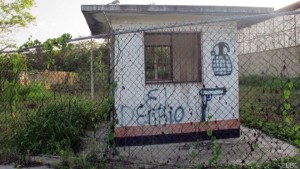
223, 93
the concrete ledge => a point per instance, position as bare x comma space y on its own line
155, 9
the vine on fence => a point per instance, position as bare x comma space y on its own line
286, 112
215, 145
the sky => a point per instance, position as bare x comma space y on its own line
55, 17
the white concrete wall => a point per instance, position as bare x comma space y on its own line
271, 47
275, 33
140, 104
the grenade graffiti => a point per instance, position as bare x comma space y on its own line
221, 62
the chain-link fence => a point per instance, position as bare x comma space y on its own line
211, 93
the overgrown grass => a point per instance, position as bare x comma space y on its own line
262, 105
58, 127
8, 126
31, 92
14, 97
49, 123
270, 82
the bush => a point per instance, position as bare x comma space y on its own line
274, 129
8, 126
11, 65
56, 129
262, 103
36, 92
14, 96
270, 82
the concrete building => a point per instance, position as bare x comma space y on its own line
266, 43
175, 83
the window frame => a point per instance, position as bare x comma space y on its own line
171, 79
170, 64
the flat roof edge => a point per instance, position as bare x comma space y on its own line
174, 8
291, 7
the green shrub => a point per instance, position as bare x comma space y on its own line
262, 103
59, 127
11, 65
30, 92
9, 91
106, 107
15, 97
8, 126
36, 92
274, 129
270, 82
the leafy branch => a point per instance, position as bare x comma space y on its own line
49, 46
15, 14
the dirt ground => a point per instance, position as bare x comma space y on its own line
253, 146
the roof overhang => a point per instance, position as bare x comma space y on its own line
97, 16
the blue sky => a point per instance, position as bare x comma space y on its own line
55, 17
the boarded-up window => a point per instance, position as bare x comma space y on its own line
172, 57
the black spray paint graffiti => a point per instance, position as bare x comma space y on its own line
147, 114
206, 96
163, 113
221, 62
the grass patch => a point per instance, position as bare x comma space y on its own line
270, 82
45, 122
51, 127
58, 127
8, 126
262, 105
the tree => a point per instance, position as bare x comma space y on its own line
14, 14
74, 57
